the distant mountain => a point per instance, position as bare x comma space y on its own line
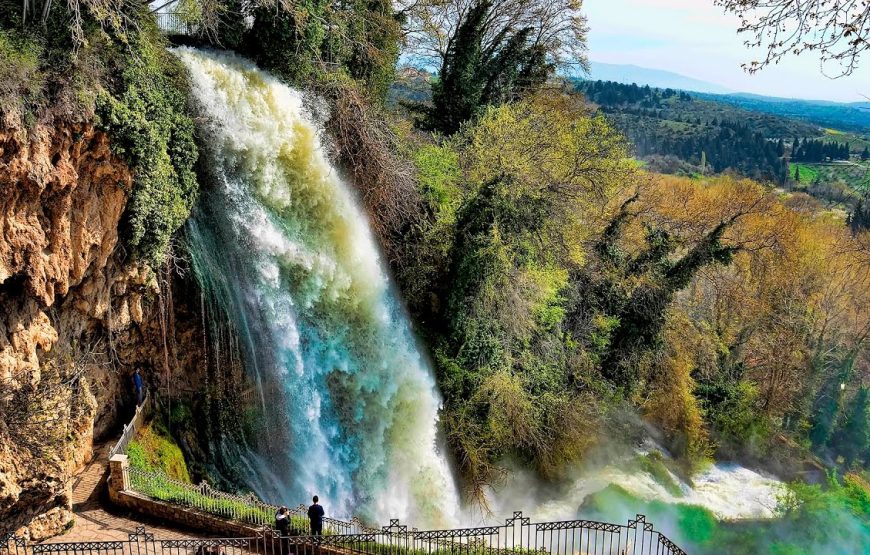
629, 74
847, 117
853, 116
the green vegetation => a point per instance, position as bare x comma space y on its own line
803, 173
114, 65
557, 293
474, 75
21, 77
157, 485
839, 116
153, 449
148, 122
834, 518
562, 289
714, 138
305, 43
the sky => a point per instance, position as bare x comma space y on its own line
697, 39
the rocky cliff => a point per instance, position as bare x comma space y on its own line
71, 306
78, 315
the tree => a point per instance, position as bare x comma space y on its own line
839, 31
535, 173
557, 27
859, 219
303, 40
472, 76
797, 173
865, 154
852, 438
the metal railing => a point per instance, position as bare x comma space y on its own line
248, 509
518, 536
131, 428
174, 23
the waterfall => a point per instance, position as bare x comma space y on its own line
279, 242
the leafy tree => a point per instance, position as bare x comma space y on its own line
473, 75
531, 170
316, 36
853, 435
458, 93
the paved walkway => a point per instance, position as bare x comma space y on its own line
96, 520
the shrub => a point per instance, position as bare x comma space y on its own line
150, 129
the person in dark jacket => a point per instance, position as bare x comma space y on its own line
282, 521
315, 514
137, 385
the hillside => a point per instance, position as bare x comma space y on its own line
853, 117
683, 133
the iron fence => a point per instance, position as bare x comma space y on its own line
518, 536
174, 23
242, 508
131, 428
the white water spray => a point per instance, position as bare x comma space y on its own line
278, 238
280, 242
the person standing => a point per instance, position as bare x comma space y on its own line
282, 521
315, 515
137, 385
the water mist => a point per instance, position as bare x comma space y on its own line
279, 242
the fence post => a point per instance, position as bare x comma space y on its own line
119, 479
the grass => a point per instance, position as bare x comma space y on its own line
154, 449
807, 173
158, 485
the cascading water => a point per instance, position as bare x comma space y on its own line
279, 242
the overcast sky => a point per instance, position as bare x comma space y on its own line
696, 39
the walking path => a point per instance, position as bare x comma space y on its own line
96, 520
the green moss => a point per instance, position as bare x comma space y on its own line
151, 130
153, 449
22, 79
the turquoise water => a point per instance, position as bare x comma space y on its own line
279, 242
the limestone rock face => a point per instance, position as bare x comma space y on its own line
65, 293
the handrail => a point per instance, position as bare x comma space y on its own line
248, 508
516, 536
131, 428
174, 23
